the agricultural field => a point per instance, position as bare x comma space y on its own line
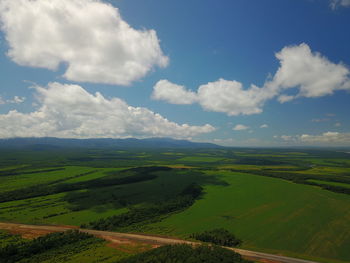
281, 201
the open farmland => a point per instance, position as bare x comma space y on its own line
278, 201
271, 215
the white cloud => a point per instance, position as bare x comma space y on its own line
89, 36
15, 100
173, 93
220, 96
336, 3
264, 126
338, 124
69, 111
327, 138
229, 97
311, 73
240, 127
285, 98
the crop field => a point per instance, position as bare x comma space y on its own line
290, 202
330, 183
248, 207
34, 177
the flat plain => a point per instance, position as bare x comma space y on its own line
289, 202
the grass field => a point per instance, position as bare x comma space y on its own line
82, 206
200, 159
268, 214
330, 183
304, 219
32, 179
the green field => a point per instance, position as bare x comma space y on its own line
35, 178
199, 159
263, 196
249, 208
330, 183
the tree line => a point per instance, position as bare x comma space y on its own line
183, 253
15, 252
219, 236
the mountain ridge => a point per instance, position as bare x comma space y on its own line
53, 142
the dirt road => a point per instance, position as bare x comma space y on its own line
37, 230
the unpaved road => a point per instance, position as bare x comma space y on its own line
35, 230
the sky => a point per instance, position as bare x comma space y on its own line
236, 73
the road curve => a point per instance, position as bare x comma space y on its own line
151, 239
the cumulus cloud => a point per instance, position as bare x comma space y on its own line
337, 3
173, 93
89, 36
310, 74
264, 126
69, 111
229, 97
219, 96
240, 127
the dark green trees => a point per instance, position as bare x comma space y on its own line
186, 254
218, 236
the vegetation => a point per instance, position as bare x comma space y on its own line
186, 254
282, 201
6, 239
75, 240
218, 236
269, 215
87, 250
150, 213
301, 178
42, 190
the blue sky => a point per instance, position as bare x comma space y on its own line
182, 69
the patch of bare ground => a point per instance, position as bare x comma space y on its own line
155, 235
122, 244
128, 246
28, 232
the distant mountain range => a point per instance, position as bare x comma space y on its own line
50, 142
